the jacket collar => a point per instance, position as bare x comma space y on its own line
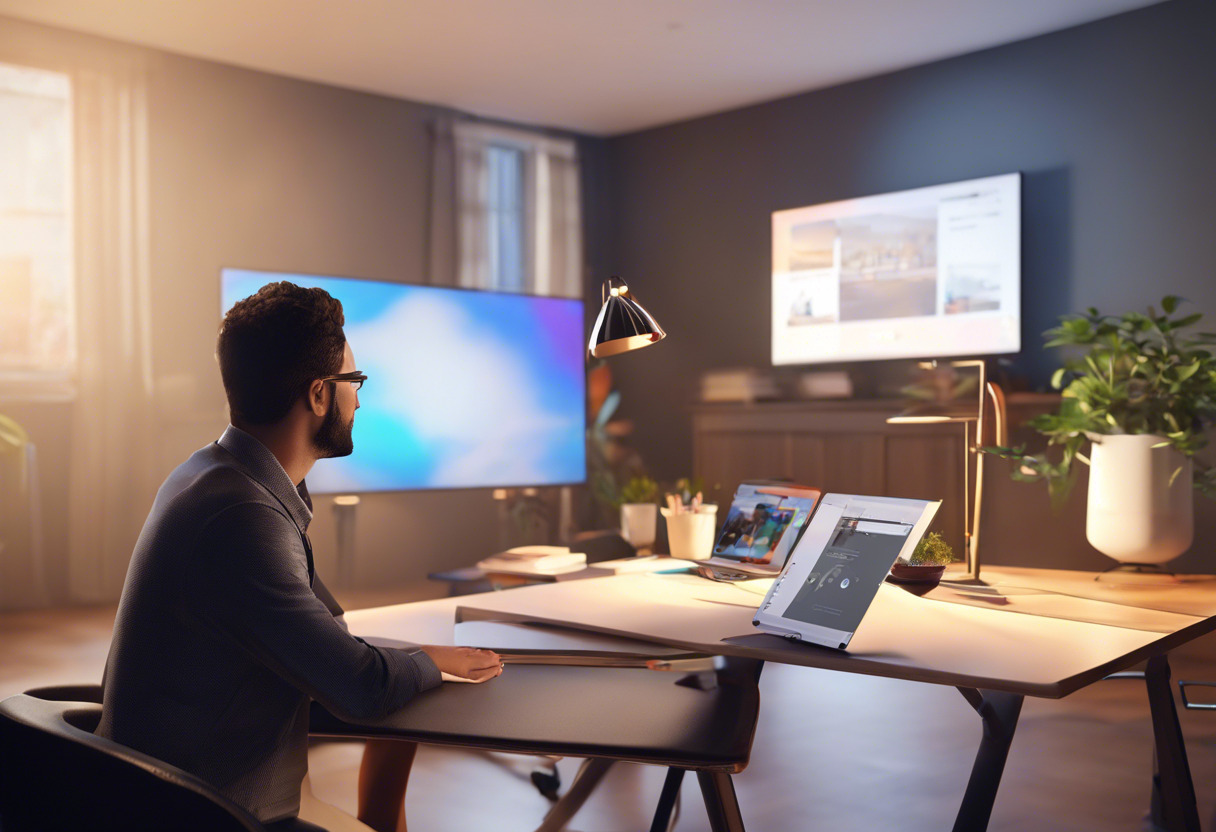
262, 465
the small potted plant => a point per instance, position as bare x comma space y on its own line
929, 560
1139, 393
639, 511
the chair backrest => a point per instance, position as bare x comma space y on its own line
55, 773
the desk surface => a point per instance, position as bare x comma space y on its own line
1035, 632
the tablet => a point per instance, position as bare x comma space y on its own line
836, 567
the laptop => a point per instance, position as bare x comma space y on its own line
764, 522
842, 558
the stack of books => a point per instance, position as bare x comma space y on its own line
534, 560
742, 385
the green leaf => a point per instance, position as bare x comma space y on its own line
611, 403
1174, 476
1186, 372
1169, 303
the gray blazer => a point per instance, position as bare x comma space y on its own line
221, 638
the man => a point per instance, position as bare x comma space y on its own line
224, 632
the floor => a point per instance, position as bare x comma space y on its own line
832, 751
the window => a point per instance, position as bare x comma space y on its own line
518, 226
37, 293
505, 217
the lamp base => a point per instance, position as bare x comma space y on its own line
966, 581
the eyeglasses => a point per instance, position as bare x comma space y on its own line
356, 378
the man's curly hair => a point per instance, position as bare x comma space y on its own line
273, 345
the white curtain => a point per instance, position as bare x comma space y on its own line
22, 573
111, 474
463, 239
112, 443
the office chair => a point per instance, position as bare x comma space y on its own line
700, 722
55, 773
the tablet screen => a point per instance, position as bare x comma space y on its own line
840, 562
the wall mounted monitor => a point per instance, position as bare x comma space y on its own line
465, 389
926, 273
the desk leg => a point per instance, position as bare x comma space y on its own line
589, 775
720, 803
999, 713
1173, 798
667, 800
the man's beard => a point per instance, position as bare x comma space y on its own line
334, 438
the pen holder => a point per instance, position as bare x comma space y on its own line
691, 535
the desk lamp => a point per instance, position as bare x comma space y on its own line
623, 324
965, 412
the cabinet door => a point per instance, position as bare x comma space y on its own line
841, 462
930, 467
726, 459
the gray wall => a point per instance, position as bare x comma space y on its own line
1112, 123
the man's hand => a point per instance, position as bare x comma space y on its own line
466, 662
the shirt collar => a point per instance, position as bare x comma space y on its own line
265, 468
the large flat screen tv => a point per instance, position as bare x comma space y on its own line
925, 273
465, 389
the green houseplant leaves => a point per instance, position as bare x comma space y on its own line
1139, 373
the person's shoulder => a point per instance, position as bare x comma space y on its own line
212, 482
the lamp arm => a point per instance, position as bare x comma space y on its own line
1000, 417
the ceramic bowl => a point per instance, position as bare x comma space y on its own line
917, 574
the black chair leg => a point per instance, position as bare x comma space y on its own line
719, 792
667, 800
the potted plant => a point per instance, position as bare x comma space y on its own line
1140, 391
928, 561
639, 511
611, 460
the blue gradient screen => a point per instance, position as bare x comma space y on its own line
465, 389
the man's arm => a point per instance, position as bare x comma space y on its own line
335, 609
251, 580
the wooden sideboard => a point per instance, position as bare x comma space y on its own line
848, 447
845, 447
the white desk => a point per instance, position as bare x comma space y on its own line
1031, 633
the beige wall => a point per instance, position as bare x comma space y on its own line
258, 171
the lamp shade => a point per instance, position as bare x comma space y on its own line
930, 412
622, 324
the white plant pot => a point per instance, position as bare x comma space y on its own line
1135, 513
638, 524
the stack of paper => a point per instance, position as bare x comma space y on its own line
534, 560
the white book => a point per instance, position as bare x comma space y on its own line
545, 560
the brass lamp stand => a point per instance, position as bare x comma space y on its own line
965, 412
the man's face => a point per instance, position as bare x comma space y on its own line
333, 438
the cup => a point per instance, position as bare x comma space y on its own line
638, 522
691, 535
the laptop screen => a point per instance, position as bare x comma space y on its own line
764, 523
